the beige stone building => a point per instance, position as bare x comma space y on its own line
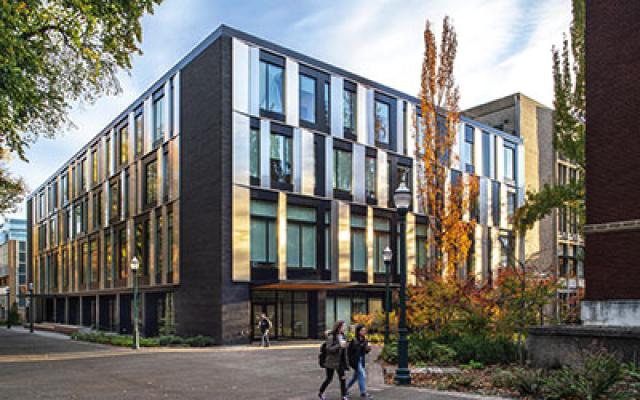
554, 241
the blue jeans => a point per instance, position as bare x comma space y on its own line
361, 376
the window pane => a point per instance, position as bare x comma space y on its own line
370, 177
359, 250
342, 170
343, 306
293, 245
139, 127
486, 154
151, 183
281, 158
327, 103
309, 246
273, 255
330, 315
158, 119
349, 110
381, 241
301, 213
263, 208
124, 145
258, 241
509, 167
271, 87
254, 150
382, 122
307, 99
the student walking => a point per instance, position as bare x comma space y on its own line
335, 360
358, 349
265, 326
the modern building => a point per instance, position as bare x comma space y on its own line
250, 178
13, 265
554, 242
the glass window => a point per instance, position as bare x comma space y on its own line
370, 177
381, 239
467, 149
350, 110
123, 268
486, 154
509, 163
254, 150
495, 203
166, 178
358, 243
64, 179
421, 246
158, 248
307, 99
330, 315
114, 199
123, 137
343, 309
108, 259
327, 103
327, 240
107, 157
382, 122
281, 158
94, 167
97, 209
93, 249
139, 131
301, 237
151, 183
511, 204
158, 120
271, 87
170, 242
263, 232
342, 170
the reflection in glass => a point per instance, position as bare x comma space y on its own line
382, 122
342, 170
349, 110
307, 99
370, 177
254, 153
271, 87
281, 158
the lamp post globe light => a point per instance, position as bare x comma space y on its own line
31, 307
135, 264
402, 201
387, 254
8, 307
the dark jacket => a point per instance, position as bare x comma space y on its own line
358, 349
336, 355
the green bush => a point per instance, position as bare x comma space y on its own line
200, 341
484, 349
592, 378
171, 340
528, 382
473, 364
441, 354
502, 379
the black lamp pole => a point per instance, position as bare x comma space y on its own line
31, 307
8, 308
402, 200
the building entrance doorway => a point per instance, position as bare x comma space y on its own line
287, 310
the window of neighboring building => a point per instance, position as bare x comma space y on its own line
64, 183
170, 241
507, 253
125, 193
83, 174
254, 153
107, 157
486, 154
114, 199
467, 149
97, 210
327, 240
381, 239
281, 159
511, 204
263, 232
271, 83
166, 175
94, 167
143, 238
307, 99
342, 168
350, 110
382, 122
495, 202
370, 180
123, 267
358, 243
301, 237
421, 246
94, 261
151, 183
139, 132
327, 103
158, 119
123, 145
108, 260
509, 162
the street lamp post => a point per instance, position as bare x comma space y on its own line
386, 256
135, 264
8, 307
31, 307
402, 201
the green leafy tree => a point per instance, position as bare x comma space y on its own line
569, 128
54, 53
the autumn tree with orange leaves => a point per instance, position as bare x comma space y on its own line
447, 201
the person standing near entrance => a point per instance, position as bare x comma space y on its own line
335, 360
265, 326
358, 349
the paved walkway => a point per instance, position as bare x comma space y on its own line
35, 366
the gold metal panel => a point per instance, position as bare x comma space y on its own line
344, 242
282, 236
383, 179
241, 154
241, 228
370, 237
411, 248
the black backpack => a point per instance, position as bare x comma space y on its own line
264, 325
322, 357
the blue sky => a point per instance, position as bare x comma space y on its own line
504, 46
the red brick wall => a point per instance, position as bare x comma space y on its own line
612, 267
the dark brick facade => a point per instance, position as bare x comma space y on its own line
613, 147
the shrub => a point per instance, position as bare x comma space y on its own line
592, 378
502, 379
441, 354
528, 382
171, 340
473, 364
200, 341
484, 349
390, 353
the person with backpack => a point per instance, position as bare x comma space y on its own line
333, 358
357, 351
265, 326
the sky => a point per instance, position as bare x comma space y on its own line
504, 46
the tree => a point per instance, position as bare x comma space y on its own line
569, 129
56, 52
446, 201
